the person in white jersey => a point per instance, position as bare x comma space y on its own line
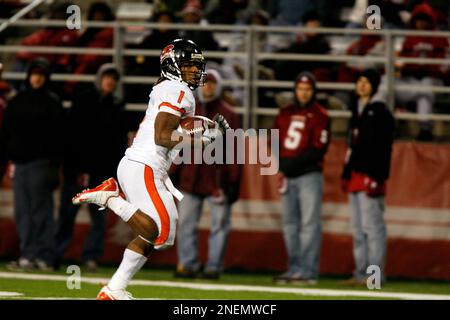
146, 202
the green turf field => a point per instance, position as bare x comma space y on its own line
160, 284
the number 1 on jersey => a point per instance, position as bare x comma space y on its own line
180, 97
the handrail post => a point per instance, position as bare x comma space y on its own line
254, 77
248, 82
390, 70
118, 45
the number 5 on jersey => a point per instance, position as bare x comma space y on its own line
294, 134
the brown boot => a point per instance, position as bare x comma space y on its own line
353, 282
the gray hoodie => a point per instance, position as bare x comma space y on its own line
105, 68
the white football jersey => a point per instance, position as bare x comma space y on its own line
168, 96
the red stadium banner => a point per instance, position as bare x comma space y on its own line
417, 217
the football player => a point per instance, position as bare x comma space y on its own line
147, 203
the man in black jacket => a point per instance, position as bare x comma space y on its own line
31, 140
97, 121
366, 170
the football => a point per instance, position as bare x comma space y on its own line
195, 125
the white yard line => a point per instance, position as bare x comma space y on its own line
8, 294
69, 298
233, 287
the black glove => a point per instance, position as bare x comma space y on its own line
223, 123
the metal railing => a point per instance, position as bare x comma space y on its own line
250, 108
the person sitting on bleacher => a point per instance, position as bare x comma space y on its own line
365, 45
92, 38
192, 13
423, 17
141, 65
307, 43
48, 36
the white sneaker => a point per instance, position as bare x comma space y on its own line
108, 294
98, 195
43, 265
23, 264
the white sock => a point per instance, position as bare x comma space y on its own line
121, 207
131, 263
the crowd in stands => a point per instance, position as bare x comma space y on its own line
396, 14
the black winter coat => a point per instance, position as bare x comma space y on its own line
370, 140
96, 134
32, 127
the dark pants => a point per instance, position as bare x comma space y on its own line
33, 204
93, 246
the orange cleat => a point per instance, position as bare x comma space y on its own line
108, 294
98, 195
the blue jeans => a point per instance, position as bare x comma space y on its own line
33, 206
190, 210
369, 233
93, 245
302, 205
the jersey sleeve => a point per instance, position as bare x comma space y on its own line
178, 101
321, 133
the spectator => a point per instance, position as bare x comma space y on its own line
307, 43
393, 13
92, 38
157, 39
192, 13
230, 12
6, 93
235, 67
423, 17
304, 137
49, 36
30, 138
91, 110
366, 170
366, 45
291, 12
217, 184
145, 66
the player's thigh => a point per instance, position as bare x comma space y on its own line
145, 188
162, 207
131, 175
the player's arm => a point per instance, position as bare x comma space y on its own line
167, 135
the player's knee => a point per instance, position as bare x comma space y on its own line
148, 236
145, 227
149, 230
